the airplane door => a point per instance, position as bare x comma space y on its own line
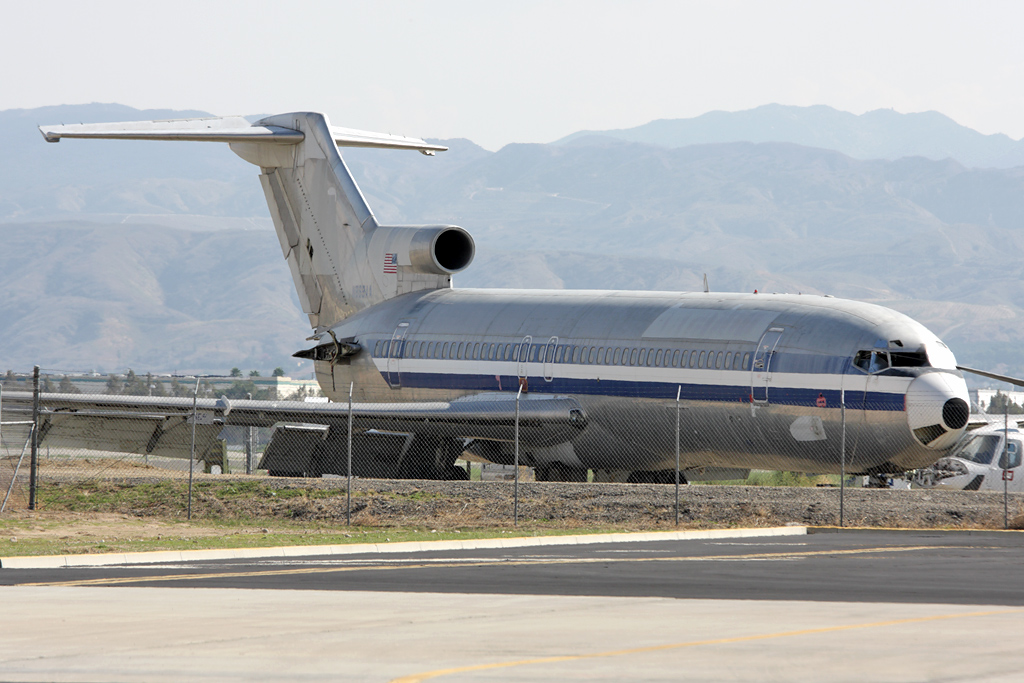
395, 355
761, 364
524, 355
549, 358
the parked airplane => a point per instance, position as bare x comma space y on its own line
759, 378
989, 459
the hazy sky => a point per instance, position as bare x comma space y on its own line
523, 71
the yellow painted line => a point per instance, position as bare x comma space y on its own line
416, 678
477, 563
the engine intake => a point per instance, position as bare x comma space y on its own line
442, 250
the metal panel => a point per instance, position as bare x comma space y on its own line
710, 324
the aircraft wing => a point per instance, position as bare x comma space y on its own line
163, 426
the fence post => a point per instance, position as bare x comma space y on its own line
1006, 463
842, 456
515, 503
192, 451
679, 391
250, 451
348, 484
34, 458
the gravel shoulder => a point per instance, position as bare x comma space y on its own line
473, 504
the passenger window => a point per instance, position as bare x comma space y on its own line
693, 359
632, 356
385, 349
618, 356
609, 352
462, 350
376, 349
643, 357
575, 354
700, 361
728, 360
558, 354
746, 361
533, 353
675, 358
657, 358
592, 355
718, 360
490, 352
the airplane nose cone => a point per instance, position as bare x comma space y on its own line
937, 409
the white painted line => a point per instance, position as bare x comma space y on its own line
162, 556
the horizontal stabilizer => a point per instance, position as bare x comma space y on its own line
218, 129
347, 137
227, 129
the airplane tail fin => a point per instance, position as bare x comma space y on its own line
340, 258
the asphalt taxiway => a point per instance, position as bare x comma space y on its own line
870, 605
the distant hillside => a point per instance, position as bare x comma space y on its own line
879, 134
111, 179
936, 239
108, 297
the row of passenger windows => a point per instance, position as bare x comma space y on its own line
564, 353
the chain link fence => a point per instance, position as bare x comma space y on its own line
670, 435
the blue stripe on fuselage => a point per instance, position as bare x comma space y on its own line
857, 400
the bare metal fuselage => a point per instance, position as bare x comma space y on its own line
763, 390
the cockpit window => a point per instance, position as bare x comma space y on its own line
908, 359
980, 449
872, 361
1013, 450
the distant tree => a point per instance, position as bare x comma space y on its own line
114, 384
155, 386
278, 372
242, 389
180, 390
12, 381
304, 392
1001, 404
67, 387
235, 372
254, 373
47, 386
134, 385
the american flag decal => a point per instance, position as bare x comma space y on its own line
390, 263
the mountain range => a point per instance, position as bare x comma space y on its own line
134, 254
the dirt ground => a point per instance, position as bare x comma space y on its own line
252, 504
